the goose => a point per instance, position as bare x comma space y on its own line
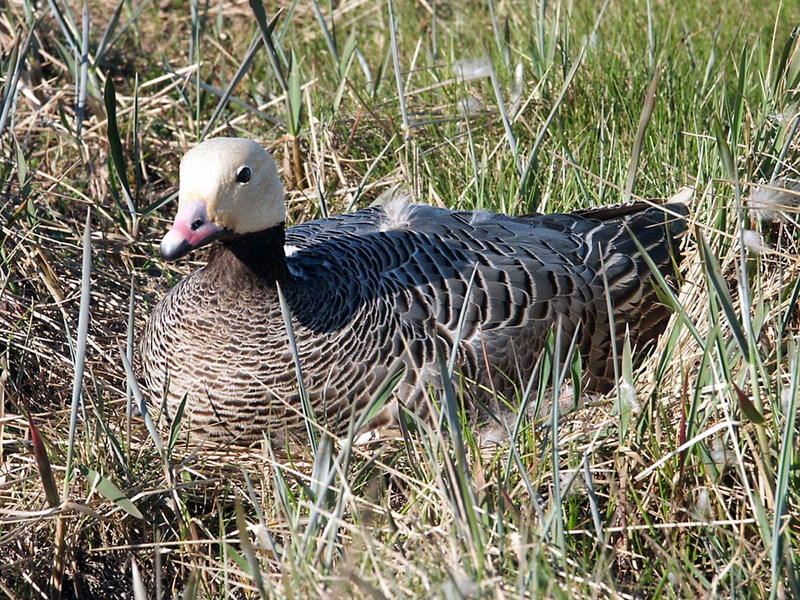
378, 290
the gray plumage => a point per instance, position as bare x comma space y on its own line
373, 290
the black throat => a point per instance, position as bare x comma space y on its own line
259, 254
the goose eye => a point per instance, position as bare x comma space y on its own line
243, 174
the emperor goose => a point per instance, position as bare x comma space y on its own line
377, 290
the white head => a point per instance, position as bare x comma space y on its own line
227, 186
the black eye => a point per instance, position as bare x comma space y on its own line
243, 174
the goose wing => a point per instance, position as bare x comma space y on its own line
401, 276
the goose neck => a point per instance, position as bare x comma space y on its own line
260, 253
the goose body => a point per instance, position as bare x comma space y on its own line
378, 290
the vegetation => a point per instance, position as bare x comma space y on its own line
682, 482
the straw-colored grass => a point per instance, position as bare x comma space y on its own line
690, 489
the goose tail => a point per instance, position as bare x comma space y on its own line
622, 238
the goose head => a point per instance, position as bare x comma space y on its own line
228, 187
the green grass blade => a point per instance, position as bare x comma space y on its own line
401, 96
67, 24
502, 48
501, 105
380, 398
80, 112
514, 456
42, 461
625, 403
463, 494
110, 491
266, 33
594, 503
15, 65
175, 426
244, 67
80, 350
348, 55
788, 144
533, 157
23, 174
205, 87
668, 294
247, 548
651, 38
294, 99
786, 465
323, 478
368, 174
140, 402
311, 421
191, 590
714, 273
462, 318
791, 307
747, 407
139, 589
272, 545
115, 145
326, 33
160, 203
641, 130
108, 34
775, 76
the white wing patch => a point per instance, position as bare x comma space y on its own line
481, 217
294, 268
397, 213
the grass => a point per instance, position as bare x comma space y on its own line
687, 487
